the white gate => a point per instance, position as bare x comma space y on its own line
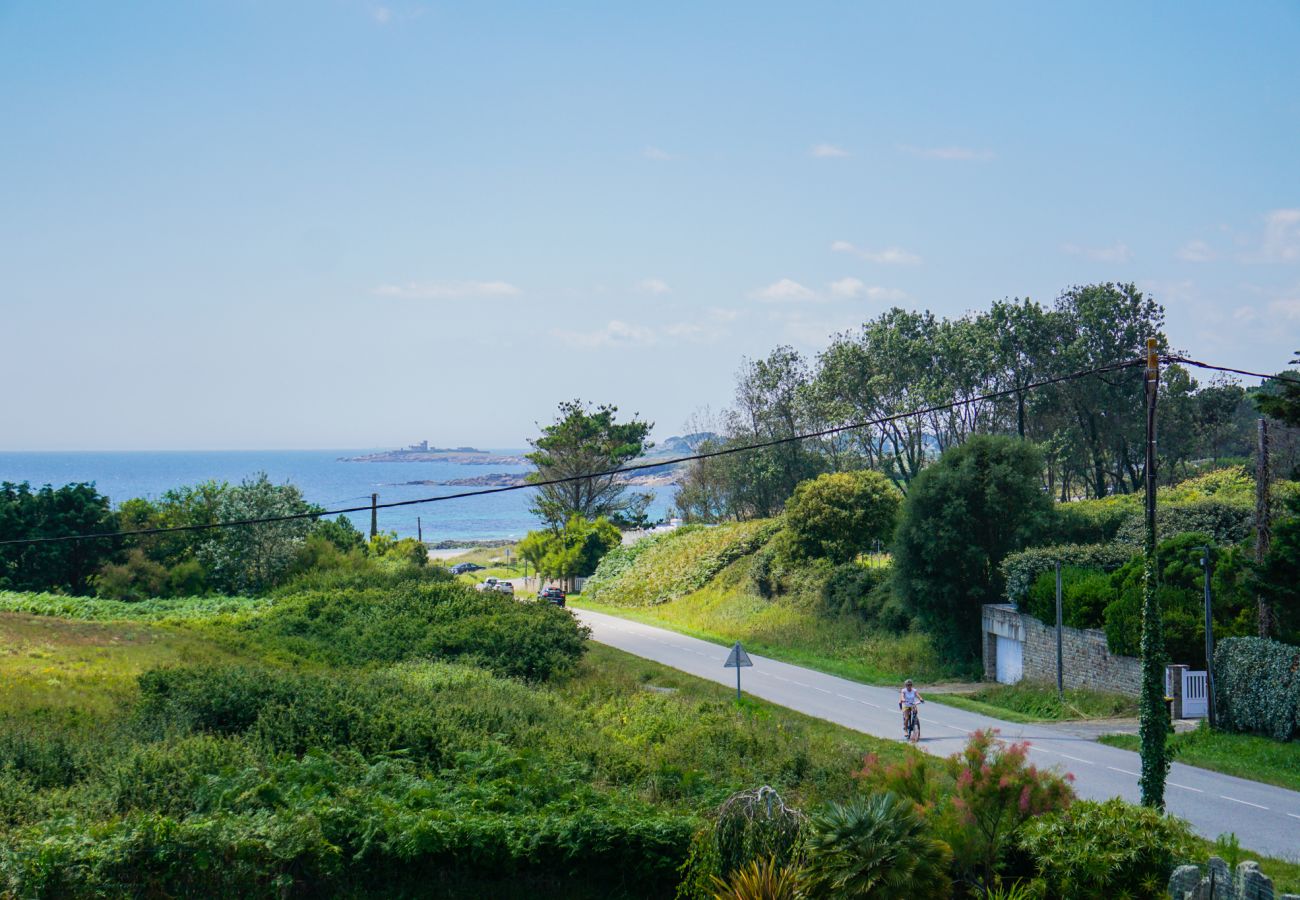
1010, 660
1196, 695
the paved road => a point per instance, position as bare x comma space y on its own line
1265, 818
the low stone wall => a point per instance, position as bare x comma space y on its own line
1087, 662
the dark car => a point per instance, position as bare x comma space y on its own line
551, 595
463, 568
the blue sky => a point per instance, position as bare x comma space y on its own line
343, 224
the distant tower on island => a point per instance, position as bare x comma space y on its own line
422, 447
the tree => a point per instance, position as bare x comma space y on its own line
580, 442
962, 516
1282, 402
573, 551
254, 558
1278, 575
53, 512
839, 515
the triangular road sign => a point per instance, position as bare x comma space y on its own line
737, 658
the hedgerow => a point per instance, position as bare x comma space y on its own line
1257, 685
1021, 569
153, 610
675, 564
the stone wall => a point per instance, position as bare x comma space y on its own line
1087, 662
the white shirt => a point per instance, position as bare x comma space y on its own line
910, 696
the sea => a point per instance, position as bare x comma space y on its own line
325, 478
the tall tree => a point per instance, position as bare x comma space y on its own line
580, 442
1281, 399
53, 512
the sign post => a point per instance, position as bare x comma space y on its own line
737, 660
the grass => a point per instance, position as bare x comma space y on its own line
1027, 702
62, 664
1243, 755
727, 610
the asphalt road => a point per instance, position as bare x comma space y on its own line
1266, 819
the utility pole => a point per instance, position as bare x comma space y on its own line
1153, 724
374, 516
419, 530
1060, 658
1263, 523
1209, 642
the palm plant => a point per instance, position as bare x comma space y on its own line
874, 847
764, 879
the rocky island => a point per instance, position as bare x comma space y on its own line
422, 452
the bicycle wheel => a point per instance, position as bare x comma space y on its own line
914, 727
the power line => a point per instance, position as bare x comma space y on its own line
1287, 379
710, 454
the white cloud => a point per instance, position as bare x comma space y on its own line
847, 287
653, 286
382, 14
949, 154
447, 290
1281, 237
783, 291
1197, 251
616, 333
850, 288
829, 151
1113, 253
890, 256
657, 154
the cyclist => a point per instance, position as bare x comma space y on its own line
908, 699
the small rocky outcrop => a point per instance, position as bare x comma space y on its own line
1217, 882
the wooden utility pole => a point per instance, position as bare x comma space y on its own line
374, 516
1209, 642
1060, 622
1263, 524
1153, 724
419, 530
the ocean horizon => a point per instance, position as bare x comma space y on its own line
323, 477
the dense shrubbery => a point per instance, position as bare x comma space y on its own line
837, 516
151, 610
1257, 682
675, 564
1096, 851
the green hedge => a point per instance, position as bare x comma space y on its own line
1023, 568
1257, 684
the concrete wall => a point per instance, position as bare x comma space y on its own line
1088, 664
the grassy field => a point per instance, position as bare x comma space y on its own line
1025, 702
1243, 755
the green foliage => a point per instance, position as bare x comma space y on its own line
572, 551
976, 801
1039, 702
1022, 569
1225, 521
962, 517
867, 592
153, 610
1097, 851
1281, 400
671, 566
837, 516
254, 558
1250, 756
1180, 593
64, 566
139, 578
874, 847
1278, 577
1257, 683
1092, 521
1085, 594
353, 622
581, 441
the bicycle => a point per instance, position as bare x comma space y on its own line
912, 722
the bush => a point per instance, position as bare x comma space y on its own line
1257, 684
867, 592
981, 501
1022, 569
877, 847
1096, 851
837, 516
1224, 521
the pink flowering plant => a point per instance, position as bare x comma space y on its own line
976, 800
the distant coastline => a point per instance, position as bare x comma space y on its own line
660, 478
460, 456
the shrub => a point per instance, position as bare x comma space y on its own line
152, 610
1025, 567
1095, 851
1225, 522
837, 516
977, 800
875, 847
760, 880
1257, 685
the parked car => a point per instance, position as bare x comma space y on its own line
551, 595
465, 567
497, 585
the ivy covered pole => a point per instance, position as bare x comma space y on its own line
1153, 723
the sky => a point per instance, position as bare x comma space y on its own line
261, 225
